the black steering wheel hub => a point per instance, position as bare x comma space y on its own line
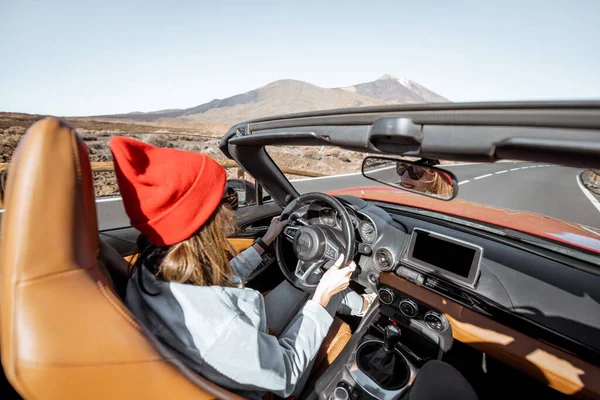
315, 246
309, 243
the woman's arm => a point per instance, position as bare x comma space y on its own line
247, 261
244, 263
263, 362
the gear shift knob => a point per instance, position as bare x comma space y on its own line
391, 336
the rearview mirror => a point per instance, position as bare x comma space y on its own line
416, 177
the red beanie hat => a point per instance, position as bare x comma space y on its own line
168, 194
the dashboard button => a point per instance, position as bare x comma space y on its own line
364, 249
374, 278
340, 393
420, 279
411, 275
431, 282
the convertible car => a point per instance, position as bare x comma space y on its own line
510, 299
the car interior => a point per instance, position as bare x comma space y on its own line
503, 316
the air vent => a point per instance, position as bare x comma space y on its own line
384, 260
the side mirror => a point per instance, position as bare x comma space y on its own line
416, 177
246, 191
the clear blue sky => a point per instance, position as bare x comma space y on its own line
98, 57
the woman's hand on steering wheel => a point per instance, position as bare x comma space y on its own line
274, 230
315, 246
336, 279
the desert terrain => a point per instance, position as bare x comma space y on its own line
199, 128
195, 137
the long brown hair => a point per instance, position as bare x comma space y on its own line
440, 186
202, 259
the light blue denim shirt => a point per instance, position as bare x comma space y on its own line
221, 332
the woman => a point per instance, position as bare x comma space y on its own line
425, 180
187, 286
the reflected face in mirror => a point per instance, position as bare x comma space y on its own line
424, 180
417, 177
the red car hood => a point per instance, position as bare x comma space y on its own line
569, 233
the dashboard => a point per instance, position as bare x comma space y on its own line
519, 286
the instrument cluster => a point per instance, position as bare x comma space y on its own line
366, 229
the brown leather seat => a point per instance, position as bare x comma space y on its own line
64, 331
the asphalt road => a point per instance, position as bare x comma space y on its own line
541, 188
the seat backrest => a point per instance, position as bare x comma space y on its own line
64, 332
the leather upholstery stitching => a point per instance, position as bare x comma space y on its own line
23, 282
109, 295
75, 149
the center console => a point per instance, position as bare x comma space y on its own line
400, 334
382, 359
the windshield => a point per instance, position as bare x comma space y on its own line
566, 195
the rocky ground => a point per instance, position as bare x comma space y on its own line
314, 160
591, 180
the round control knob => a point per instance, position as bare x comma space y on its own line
340, 393
386, 296
435, 321
409, 308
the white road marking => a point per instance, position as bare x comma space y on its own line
106, 200
458, 164
524, 167
588, 194
482, 176
501, 172
514, 169
467, 181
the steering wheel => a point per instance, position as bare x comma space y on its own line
316, 246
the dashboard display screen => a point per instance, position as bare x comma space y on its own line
450, 257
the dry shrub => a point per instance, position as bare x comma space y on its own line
193, 147
105, 184
99, 151
158, 140
8, 144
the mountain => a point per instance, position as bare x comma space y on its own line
392, 89
291, 96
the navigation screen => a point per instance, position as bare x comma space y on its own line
448, 256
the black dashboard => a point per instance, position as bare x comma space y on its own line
518, 286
